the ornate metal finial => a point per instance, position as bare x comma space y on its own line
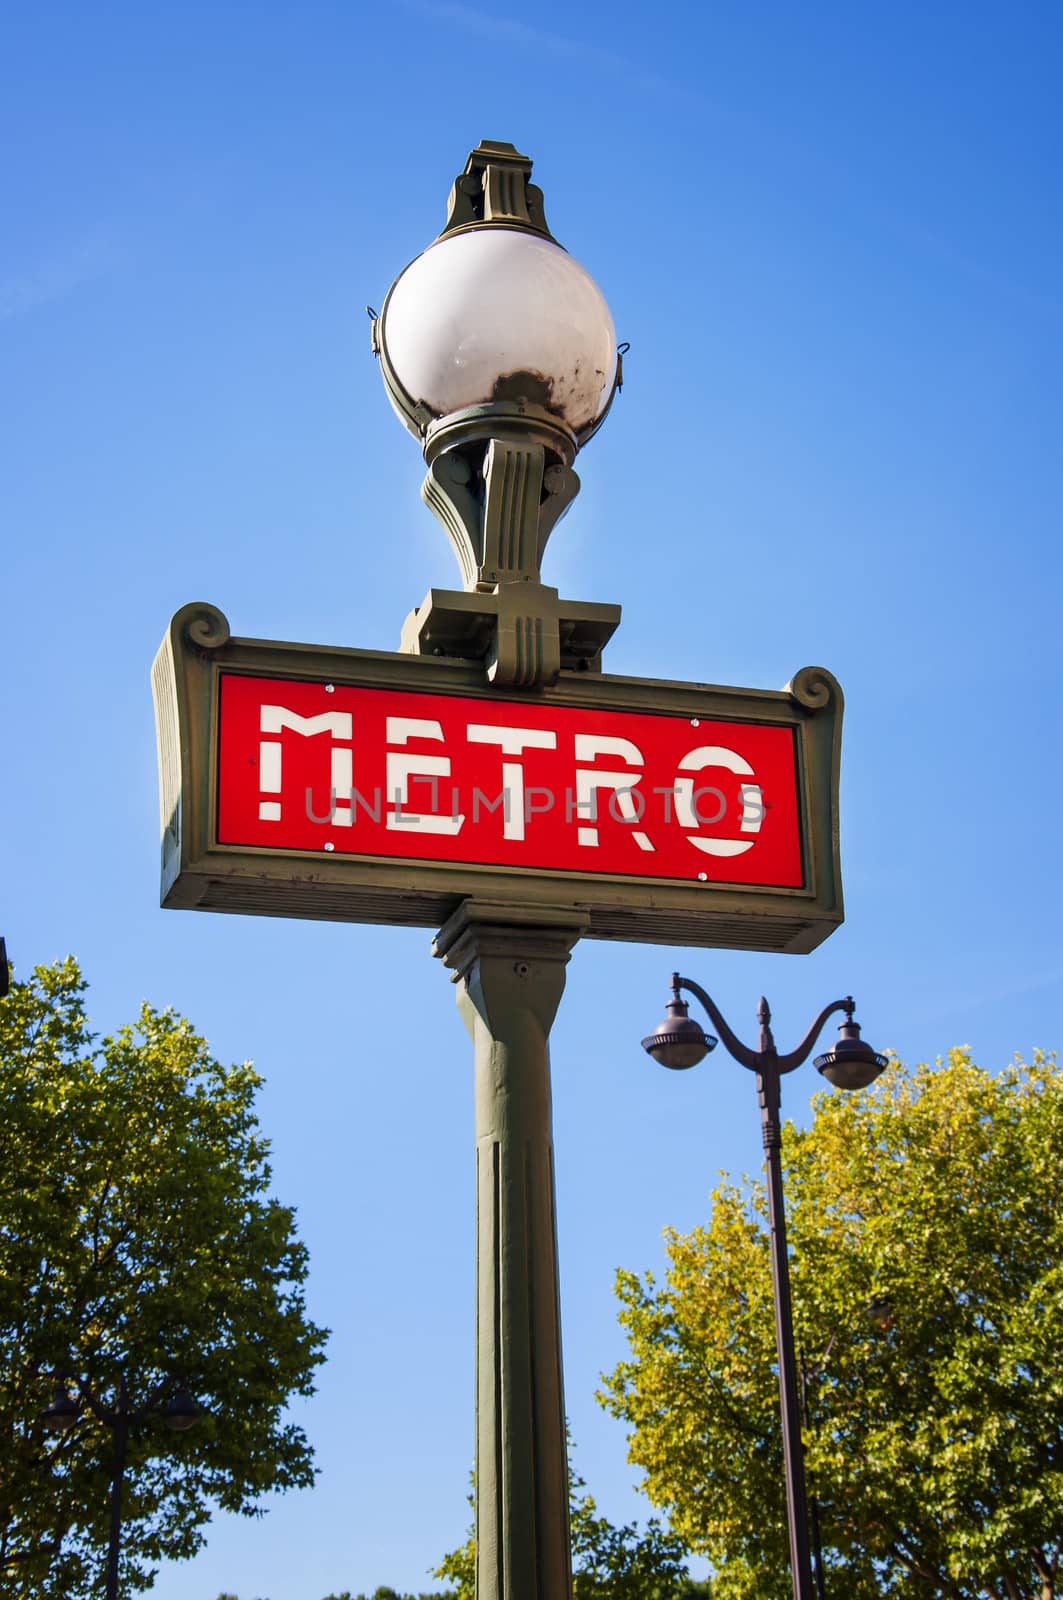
767, 1038
495, 189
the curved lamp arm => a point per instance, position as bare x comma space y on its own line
804, 1049
741, 1052
112, 1415
755, 1060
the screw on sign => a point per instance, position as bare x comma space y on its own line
453, 778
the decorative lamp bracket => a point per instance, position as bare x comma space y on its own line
499, 480
495, 188
524, 633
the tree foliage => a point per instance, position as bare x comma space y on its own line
935, 1442
382, 1593
138, 1243
608, 1563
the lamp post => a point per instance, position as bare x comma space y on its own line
498, 351
813, 1375
878, 1314
679, 1042
63, 1412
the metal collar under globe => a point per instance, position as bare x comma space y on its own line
678, 1042
852, 1064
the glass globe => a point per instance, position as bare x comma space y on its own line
482, 306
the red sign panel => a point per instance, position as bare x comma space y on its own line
375, 772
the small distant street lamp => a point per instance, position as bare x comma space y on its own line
679, 1042
879, 1316
881, 1313
63, 1411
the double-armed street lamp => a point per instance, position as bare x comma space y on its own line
680, 1042
64, 1410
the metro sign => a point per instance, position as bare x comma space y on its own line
370, 786
318, 766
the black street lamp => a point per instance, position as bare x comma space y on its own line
62, 1414
813, 1375
878, 1314
679, 1042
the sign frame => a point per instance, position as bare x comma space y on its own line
200, 873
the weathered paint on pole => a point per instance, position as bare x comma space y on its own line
510, 971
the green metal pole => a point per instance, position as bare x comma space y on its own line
510, 968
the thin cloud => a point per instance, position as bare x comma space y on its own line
975, 1000
58, 276
522, 36
513, 32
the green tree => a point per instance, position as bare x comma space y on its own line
138, 1243
608, 1563
385, 1593
934, 1440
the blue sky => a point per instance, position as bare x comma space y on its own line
832, 235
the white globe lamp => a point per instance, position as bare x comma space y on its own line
498, 352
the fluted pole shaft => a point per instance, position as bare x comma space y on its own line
510, 969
